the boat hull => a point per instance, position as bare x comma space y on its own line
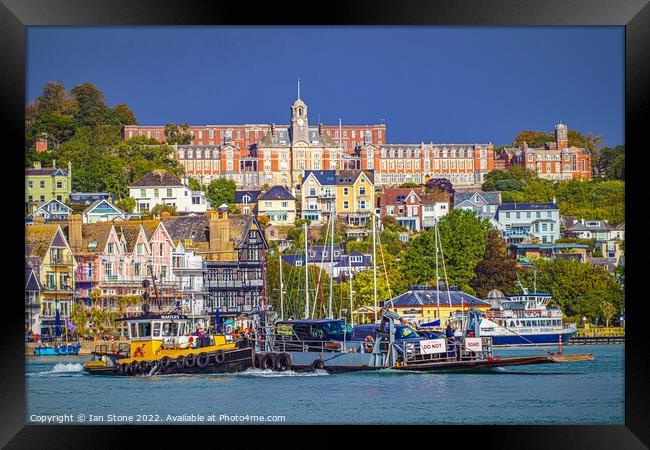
531, 339
236, 360
57, 351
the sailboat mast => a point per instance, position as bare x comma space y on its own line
306, 276
350, 276
281, 289
329, 309
435, 237
374, 262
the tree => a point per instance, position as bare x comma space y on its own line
92, 110
463, 237
439, 184
221, 191
497, 270
124, 115
576, 287
126, 204
607, 310
194, 184
177, 134
52, 99
159, 208
410, 185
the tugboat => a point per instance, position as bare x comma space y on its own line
161, 344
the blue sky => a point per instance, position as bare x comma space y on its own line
440, 84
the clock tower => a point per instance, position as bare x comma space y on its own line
299, 124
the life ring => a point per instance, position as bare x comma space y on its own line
219, 357
283, 362
368, 343
180, 362
267, 362
190, 360
317, 365
202, 360
165, 362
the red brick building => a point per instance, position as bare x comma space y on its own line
555, 161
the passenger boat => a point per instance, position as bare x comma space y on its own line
523, 319
57, 349
162, 344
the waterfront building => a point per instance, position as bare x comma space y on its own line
278, 205
413, 208
235, 266
424, 304
53, 210
484, 204
162, 188
246, 201
523, 222
48, 253
554, 161
33, 288
42, 184
102, 211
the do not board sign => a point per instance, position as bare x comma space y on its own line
430, 346
473, 344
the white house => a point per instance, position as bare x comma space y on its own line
161, 188
102, 211
522, 222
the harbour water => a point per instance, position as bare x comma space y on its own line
570, 393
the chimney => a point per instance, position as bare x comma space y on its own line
273, 129
54, 163
219, 230
41, 145
37, 164
74, 232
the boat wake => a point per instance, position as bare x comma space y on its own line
61, 369
288, 373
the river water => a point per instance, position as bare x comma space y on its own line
565, 393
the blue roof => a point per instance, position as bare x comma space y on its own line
277, 193
527, 206
428, 296
239, 195
324, 177
491, 197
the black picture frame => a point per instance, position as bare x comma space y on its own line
634, 15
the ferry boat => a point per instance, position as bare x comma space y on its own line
162, 344
57, 350
523, 319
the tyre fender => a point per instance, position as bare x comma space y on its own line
267, 362
219, 357
283, 362
190, 360
202, 360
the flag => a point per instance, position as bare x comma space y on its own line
71, 326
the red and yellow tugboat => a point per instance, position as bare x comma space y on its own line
166, 344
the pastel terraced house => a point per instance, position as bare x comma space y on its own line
42, 184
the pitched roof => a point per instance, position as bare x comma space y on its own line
491, 197
390, 196
130, 231
187, 227
344, 177
88, 197
277, 193
51, 171
157, 178
324, 177
38, 239
32, 283
239, 195
429, 296
96, 203
95, 236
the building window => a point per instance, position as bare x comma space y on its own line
362, 191
169, 192
110, 248
137, 269
285, 204
346, 205
59, 185
42, 184
155, 193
